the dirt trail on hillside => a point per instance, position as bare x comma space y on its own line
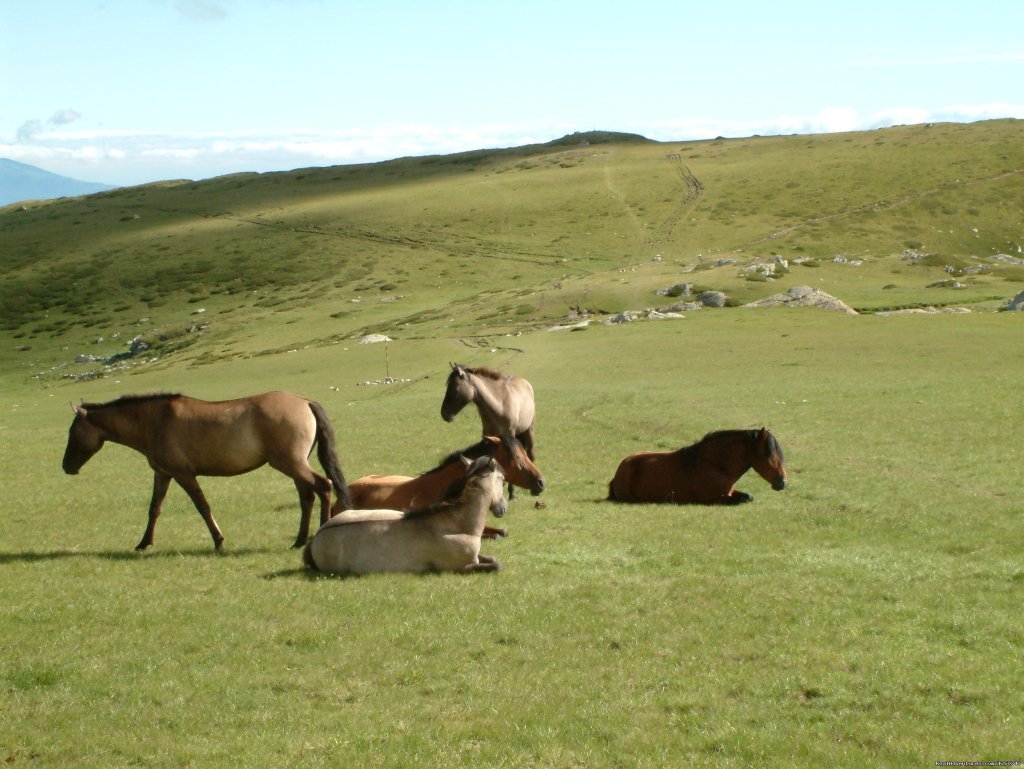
694, 189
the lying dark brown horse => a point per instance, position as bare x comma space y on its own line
704, 473
402, 492
185, 437
505, 403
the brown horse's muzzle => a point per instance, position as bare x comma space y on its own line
779, 484
538, 486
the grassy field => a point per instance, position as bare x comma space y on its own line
869, 615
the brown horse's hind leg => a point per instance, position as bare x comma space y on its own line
309, 491
161, 483
191, 486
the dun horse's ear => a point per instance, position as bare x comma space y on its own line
466, 462
79, 411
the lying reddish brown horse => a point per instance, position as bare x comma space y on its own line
185, 437
402, 492
704, 473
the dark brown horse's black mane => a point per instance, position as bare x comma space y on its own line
692, 453
130, 400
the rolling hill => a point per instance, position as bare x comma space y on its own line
495, 241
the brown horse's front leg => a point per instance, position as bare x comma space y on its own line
490, 532
191, 486
161, 482
737, 498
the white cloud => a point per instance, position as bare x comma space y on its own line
202, 10
29, 130
135, 157
63, 117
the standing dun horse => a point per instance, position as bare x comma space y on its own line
184, 437
704, 473
402, 492
442, 537
505, 403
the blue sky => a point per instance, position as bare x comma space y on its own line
133, 91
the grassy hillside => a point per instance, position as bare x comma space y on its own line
510, 239
868, 615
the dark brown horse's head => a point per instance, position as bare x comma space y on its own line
84, 440
516, 464
457, 394
768, 460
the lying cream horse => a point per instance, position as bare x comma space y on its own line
442, 537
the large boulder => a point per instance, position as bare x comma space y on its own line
804, 296
712, 298
1017, 303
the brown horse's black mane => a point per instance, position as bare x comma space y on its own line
131, 400
692, 453
482, 448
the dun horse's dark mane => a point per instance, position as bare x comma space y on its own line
451, 497
487, 373
130, 400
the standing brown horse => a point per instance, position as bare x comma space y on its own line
704, 473
185, 437
505, 403
402, 492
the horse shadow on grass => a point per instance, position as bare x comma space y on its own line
36, 556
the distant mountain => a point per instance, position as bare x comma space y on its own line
19, 181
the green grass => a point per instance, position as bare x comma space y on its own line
866, 616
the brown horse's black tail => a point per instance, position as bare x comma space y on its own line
307, 557
328, 457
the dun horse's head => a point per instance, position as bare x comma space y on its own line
768, 459
516, 464
84, 440
458, 393
485, 477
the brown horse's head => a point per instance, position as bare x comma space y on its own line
458, 393
84, 440
516, 464
768, 460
